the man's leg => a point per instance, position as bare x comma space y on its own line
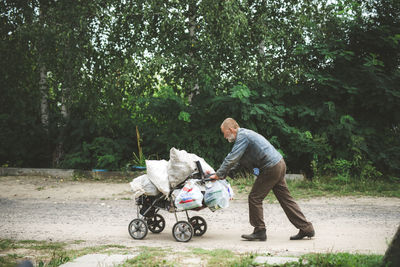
291, 209
261, 187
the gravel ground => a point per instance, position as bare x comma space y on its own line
97, 213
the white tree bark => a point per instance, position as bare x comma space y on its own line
44, 108
192, 28
64, 110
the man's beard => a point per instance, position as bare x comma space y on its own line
231, 138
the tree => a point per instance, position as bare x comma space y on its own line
318, 79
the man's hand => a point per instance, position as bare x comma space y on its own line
214, 177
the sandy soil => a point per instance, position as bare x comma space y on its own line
40, 208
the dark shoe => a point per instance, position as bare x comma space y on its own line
256, 235
303, 234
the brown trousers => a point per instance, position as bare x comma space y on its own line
274, 178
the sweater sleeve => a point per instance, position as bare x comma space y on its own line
233, 158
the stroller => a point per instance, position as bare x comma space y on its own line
149, 219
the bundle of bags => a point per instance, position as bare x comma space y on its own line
163, 175
216, 195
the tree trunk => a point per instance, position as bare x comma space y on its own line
64, 111
58, 152
192, 22
392, 255
44, 109
44, 91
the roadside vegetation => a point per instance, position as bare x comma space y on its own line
46, 253
52, 254
319, 186
326, 187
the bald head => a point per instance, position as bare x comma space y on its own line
229, 123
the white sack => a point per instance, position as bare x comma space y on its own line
189, 197
142, 185
158, 175
217, 195
182, 164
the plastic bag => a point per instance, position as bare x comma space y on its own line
189, 197
229, 188
142, 185
182, 164
216, 195
158, 175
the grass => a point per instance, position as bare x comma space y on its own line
9, 260
150, 257
326, 186
51, 254
214, 257
47, 254
222, 258
341, 259
357, 187
53, 251
6, 244
57, 258
196, 257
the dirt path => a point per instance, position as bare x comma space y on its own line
99, 213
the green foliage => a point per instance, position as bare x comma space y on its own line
217, 256
318, 79
184, 116
341, 167
8, 261
150, 257
102, 153
154, 256
56, 250
57, 259
138, 160
337, 186
341, 259
6, 244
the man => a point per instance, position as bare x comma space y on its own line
252, 150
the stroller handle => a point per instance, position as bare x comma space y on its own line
207, 179
200, 169
203, 177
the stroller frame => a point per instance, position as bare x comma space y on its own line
149, 219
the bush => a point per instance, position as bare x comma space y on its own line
102, 153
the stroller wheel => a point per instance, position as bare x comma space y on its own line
156, 223
137, 229
182, 231
199, 225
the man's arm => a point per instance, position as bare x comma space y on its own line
232, 171
232, 159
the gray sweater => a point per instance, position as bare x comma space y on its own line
251, 150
